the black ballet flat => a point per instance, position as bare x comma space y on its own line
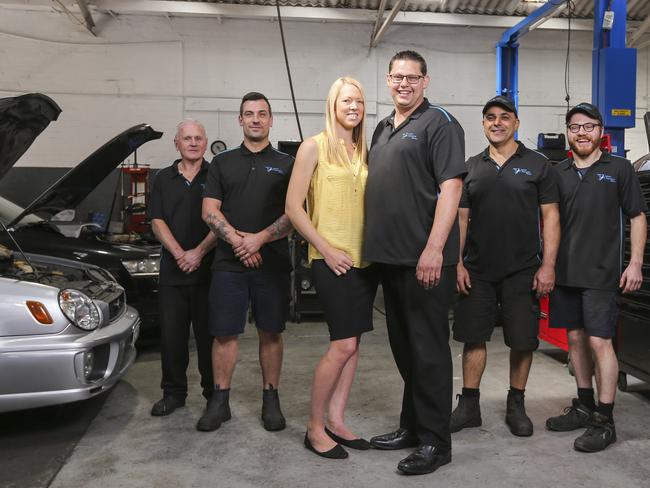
337, 452
358, 444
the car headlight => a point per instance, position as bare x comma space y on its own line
80, 309
146, 266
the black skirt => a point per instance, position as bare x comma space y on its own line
347, 299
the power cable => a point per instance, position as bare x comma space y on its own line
567, 72
286, 61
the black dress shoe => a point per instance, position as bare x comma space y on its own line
166, 405
358, 444
337, 452
425, 459
400, 439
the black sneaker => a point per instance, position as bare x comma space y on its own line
600, 434
574, 417
466, 414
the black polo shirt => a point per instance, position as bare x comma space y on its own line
178, 202
406, 165
504, 229
591, 212
252, 188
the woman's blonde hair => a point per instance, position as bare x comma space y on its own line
335, 151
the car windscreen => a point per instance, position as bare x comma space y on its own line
9, 211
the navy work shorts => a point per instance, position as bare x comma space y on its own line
595, 311
231, 292
476, 314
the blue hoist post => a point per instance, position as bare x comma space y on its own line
508, 49
613, 84
613, 65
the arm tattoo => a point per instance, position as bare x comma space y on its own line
280, 228
218, 226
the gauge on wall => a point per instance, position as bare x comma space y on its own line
217, 146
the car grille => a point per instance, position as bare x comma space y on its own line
116, 306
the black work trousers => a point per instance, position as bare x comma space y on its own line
418, 331
181, 306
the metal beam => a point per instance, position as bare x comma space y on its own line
534, 20
71, 15
643, 27
380, 15
85, 11
387, 23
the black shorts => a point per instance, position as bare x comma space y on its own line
231, 292
595, 311
347, 299
476, 314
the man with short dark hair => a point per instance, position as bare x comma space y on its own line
415, 169
506, 188
244, 206
184, 281
597, 190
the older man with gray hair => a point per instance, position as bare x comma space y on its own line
187, 244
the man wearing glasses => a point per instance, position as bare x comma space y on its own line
506, 188
596, 189
415, 169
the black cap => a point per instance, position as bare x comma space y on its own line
585, 108
503, 102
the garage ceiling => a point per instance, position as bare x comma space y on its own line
637, 9
381, 13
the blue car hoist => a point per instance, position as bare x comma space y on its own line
613, 84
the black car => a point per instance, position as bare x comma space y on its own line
46, 226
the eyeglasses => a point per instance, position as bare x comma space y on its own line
411, 79
588, 127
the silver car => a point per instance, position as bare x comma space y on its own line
66, 332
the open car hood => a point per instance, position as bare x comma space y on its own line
70, 190
22, 119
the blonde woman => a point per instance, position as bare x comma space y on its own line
330, 174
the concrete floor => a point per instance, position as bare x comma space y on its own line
126, 447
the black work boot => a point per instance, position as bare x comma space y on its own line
516, 418
600, 434
271, 414
466, 414
216, 412
574, 417
167, 405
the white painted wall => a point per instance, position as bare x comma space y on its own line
159, 70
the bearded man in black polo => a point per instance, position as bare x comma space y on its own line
597, 190
506, 189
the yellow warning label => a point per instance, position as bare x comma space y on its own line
621, 112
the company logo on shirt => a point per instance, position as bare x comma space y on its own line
271, 169
410, 135
605, 177
525, 171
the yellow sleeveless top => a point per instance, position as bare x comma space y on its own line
335, 203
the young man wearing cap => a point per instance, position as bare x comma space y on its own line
596, 189
506, 188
